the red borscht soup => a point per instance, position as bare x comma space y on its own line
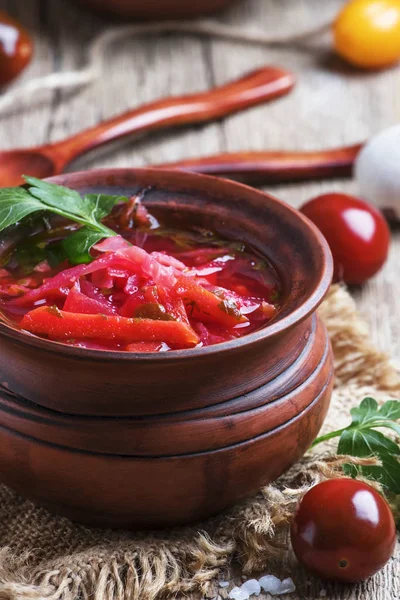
145, 288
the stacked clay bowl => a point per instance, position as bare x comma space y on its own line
145, 440
157, 9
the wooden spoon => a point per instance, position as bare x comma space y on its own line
252, 89
274, 167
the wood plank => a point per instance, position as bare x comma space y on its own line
137, 71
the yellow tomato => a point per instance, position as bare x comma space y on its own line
367, 33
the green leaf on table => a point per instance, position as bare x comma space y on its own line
364, 438
369, 411
387, 474
390, 410
366, 412
366, 442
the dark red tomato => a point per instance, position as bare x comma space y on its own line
356, 232
16, 48
343, 530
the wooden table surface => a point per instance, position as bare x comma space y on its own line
331, 105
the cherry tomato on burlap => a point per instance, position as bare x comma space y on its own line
343, 530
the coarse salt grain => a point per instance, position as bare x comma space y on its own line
287, 586
271, 584
252, 586
239, 594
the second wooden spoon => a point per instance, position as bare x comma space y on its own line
274, 166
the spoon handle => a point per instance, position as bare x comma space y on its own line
252, 89
274, 167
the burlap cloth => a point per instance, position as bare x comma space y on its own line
43, 556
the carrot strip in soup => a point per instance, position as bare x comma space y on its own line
203, 305
61, 325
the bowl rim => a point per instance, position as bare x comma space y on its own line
304, 310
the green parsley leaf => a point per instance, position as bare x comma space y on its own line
390, 410
100, 205
366, 412
387, 474
58, 197
77, 245
366, 442
88, 211
361, 439
15, 205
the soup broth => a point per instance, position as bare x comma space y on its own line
150, 288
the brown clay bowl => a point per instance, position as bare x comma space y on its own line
211, 428
91, 382
135, 492
156, 9
194, 430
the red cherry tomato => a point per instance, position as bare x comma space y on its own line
343, 530
16, 48
356, 232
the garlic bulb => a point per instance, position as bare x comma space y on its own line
377, 170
